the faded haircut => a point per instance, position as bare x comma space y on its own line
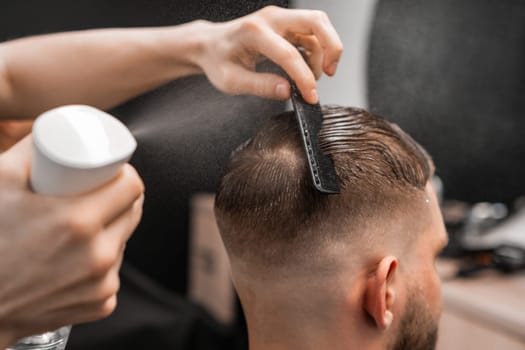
268, 210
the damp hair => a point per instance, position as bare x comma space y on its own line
268, 210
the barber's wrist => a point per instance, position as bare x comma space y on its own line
185, 45
209, 42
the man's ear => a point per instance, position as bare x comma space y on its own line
380, 294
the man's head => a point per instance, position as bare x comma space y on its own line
356, 268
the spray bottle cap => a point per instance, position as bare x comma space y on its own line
77, 148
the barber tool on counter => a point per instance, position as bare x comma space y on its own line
76, 149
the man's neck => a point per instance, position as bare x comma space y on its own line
302, 335
306, 334
284, 317
290, 343
332, 344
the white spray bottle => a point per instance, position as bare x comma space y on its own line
76, 149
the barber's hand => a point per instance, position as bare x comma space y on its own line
60, 256
232, 49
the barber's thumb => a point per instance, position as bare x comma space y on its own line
273, 86
264, 85
18, 157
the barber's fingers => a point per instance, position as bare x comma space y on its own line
94, 311
96, 276
311, 22
80, 313
91, 299
313, 51
84, 214
241, 80
123, 226
105, 204
87, 300
87, 291
282, 52
105, 250
83, 296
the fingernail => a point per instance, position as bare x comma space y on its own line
314, 96
332, 68
281, 90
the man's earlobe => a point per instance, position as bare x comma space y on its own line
380, 293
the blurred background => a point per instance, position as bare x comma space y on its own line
449, 72
353, 21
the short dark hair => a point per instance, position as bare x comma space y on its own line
267, 208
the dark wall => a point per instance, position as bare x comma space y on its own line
452, 73
27, 17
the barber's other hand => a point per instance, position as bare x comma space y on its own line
59, 257
232, 49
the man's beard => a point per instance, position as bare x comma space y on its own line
418, 330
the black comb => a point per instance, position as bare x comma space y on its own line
310, 119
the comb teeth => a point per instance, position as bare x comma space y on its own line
310, 120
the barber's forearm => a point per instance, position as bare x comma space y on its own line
98, 67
